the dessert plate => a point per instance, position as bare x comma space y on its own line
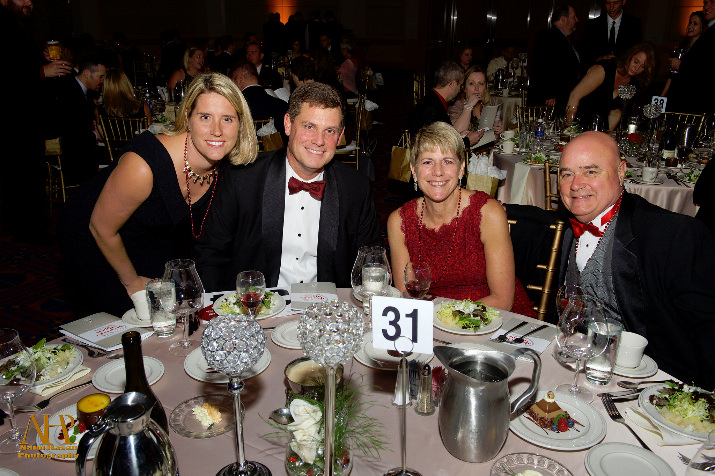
112, 377
184, 422
286, 335
68, 414
621, 459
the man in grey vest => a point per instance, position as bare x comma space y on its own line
652, 268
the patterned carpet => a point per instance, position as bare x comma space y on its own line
34, 299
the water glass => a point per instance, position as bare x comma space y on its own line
599, 370
163, 322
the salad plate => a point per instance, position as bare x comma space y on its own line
658, 418
592, 432
112, 377
646, 368
380, 359
286, 335
489, 328
196, 367
130, 317
54, 444
519, 462
613, 459
229, 304
75, 361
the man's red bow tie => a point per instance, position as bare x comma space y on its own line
315, 189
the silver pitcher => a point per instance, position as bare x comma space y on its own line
131, 443
474, 412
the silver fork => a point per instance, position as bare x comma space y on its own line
616, 416
704, 466
43, 404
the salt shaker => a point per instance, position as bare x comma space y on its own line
425, 405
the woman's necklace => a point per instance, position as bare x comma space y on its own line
454, 234
213, 174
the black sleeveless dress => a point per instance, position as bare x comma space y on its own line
158, 231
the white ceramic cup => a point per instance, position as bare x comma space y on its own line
508, 135
141, 306
650, 174
507, 147
630, 350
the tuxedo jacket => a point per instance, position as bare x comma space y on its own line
269, 78
594, 42
244, 229
690, 90
264, 106
555, 69
662, 274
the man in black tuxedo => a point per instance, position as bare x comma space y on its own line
261, 104
690, 89
610, 34
651, 268
296, 215
267, 78
556, 65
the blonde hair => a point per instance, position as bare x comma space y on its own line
246, 148
471, 70
118, 95
437, 136
188, 54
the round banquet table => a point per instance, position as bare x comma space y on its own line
265, 392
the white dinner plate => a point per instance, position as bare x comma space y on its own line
196, 367
488, 329
518, 462
7, 472
643, 182
74, 362
278, 305
584, 413
112, 377
621, 459
654, 414
380, 359
646, 368
286, 335
394, 292
130, 317
54, 431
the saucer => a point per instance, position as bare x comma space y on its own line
646, 368
130, 317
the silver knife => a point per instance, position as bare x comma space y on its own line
623, 393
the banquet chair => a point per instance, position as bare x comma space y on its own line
269, 142
144, 69
536, 236
527, 114
351, 154
56, 189
679, 119
551, 170
418, 87
118, 131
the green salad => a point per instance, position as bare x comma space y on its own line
232, 304
466, 314
686, 406
50, 361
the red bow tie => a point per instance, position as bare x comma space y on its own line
580, 228
315, 189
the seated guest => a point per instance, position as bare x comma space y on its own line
267, 78
270, 215
77, 114
348, 70
119, 229
222, 58
118, 97
296, 50
464, 57
302, 71
193, 65
651, 268
433, 107
597, 92
463, 235
326, 43
466, 111
261, 104
507, 62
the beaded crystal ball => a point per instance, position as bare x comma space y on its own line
232, 344
330, 333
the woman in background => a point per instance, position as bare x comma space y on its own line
464, 57
118, 97
466, 111
696, 26
193, 66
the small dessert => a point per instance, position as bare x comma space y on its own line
207, 414
91, 407
549, 415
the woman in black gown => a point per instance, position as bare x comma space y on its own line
146, 208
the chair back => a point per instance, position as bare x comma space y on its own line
527, 114
536, 236
549, 195
144, 69
418, 87
119, 131
269, 142
680, 120
56, 189
350, 155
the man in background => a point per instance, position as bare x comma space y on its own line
610, 34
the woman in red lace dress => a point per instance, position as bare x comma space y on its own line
463, 235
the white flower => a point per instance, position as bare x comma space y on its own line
306, 428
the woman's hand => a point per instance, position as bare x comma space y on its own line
473, 100
136, 285
475, 136
675, 63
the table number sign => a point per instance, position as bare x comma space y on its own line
661, 102
393, 318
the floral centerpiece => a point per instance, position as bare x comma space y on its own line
632, 145
538, 158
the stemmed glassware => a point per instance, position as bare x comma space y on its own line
582, 333
418, 277
704, 460
186, 296
566, 294
371, 275
250, 289
14, 382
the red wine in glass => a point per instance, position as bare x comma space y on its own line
417, 289
251, 301
418, 278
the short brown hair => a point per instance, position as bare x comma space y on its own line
438, 135
316, 94
246, 148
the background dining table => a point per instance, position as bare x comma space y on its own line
524, 185
265, 392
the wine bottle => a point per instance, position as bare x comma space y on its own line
136, 376
669, 142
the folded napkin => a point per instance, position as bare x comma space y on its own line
370, 106
662, 436
482, 166
266, 130
44, 390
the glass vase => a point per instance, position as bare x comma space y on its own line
296, 466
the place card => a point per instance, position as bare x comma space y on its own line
393, 318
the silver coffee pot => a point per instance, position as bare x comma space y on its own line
131, 443
474, 412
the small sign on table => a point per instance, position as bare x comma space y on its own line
393, 318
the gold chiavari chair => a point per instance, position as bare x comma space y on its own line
118, 131
526, 114
550, 170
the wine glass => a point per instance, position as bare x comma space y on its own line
182, 299
250, 288
583, 334
704, 459
15, 381
418, 277
566, 293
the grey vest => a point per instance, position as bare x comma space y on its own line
596, 277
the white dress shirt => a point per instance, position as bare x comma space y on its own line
610, 22
587, 243
301, 222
